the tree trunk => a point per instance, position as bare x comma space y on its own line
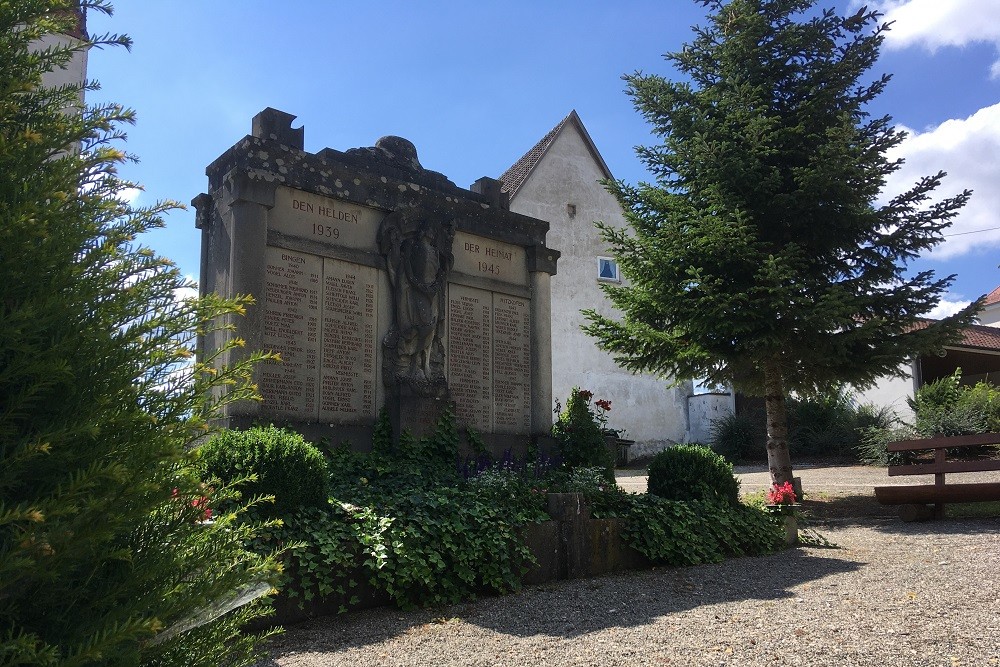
779, 461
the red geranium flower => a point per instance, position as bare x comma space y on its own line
781, 494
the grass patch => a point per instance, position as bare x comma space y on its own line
972, 510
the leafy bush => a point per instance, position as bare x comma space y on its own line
673, 532
692, 472
521, 494
105, 557
418, 530
823, 425
741, 438
579, 437
284, 466
439, 545
321, 555
944, 407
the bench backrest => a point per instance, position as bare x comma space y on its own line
940, 465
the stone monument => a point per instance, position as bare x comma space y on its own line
382, 285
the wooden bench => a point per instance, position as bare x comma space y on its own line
916, 499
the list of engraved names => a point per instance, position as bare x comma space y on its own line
291, 328
320, 315
511, 364
489, 359
470, 319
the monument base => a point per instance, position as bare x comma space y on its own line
416, 414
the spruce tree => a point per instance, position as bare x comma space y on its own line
760, 257
106, 557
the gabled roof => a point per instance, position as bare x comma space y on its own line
512, 179
993, 297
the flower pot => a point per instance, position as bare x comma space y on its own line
791, 529
787, 513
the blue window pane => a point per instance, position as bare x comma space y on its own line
607, 269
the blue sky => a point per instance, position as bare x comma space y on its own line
474, 85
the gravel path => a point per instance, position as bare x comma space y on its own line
818, 478
890, 594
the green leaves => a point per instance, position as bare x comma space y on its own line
103, 539
759, 239
673, 532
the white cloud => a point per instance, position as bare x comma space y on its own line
969, 150
131, 195
185, 293
936, 23
947, 307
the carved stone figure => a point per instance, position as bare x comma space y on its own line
418, 255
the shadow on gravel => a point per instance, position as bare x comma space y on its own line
571, 608
865, 511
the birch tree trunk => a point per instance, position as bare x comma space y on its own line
779, 461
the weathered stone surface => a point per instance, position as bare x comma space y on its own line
382, 285
301, 214
291, 328
347, 389
470, 355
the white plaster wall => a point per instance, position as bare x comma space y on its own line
703, 411
75, 71
892, 392
649, 411
990, 315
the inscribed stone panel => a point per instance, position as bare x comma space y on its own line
310, 216
291, 327
350, 310
511, 364
496, 260
470, 325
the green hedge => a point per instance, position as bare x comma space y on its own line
283, 463
692, 472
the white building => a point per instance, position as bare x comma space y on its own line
76, 71
558, 180
990, 314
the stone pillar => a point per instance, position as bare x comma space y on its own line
203, 221
541, 268
249, 201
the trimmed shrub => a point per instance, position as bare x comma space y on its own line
285, 466
692, 472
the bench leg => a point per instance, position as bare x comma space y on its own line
917, 512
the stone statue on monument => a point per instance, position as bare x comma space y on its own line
418, 255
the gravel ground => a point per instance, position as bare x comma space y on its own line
889, 594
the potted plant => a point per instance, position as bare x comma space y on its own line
781, 502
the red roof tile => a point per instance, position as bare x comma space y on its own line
514, 178
976, 335
993, 297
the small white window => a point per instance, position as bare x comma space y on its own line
607, 269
